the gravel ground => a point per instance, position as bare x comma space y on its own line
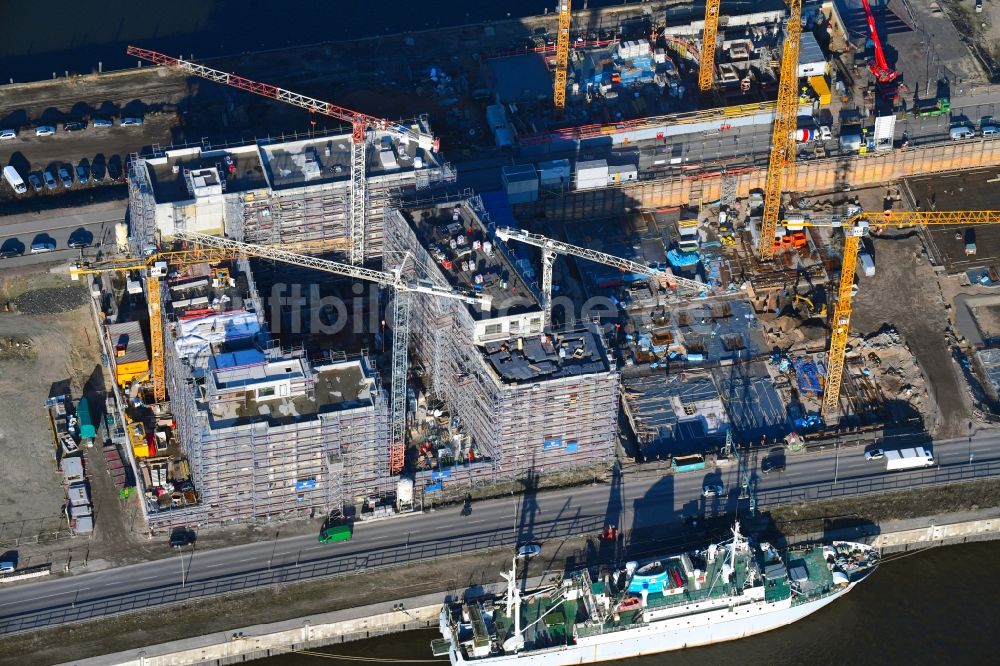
51, 301
904, 285
31, 495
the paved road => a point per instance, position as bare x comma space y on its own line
637, 502
96, 223
740, 144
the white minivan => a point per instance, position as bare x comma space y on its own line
960, 133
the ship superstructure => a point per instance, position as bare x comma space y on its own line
725, 591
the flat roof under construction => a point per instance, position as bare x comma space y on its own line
337, 386
327, 159
545, 357
470, 260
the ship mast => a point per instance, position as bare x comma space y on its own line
515, 642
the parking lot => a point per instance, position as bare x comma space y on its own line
83, 157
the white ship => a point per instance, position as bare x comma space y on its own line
727, 591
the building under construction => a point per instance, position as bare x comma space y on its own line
263, 431
275, 193
521, 399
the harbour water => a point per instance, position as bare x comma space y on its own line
934, 607
71, 36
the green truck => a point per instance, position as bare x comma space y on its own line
924, 108
336, 533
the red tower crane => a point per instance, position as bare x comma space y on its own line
360, 124
878, 65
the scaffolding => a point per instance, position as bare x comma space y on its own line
253, 457
141, 206
552, 424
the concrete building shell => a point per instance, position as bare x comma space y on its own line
517, 422
280, 192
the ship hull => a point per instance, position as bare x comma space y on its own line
665, 635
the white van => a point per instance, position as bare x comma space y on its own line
960, 133
7, 567
13, 179
988, 130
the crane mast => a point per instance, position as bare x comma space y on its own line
781, 165
878, 66
562, 59
401, 315
706, 66
551, 247
855, 227
360, 124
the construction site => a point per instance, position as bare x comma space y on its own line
341, 324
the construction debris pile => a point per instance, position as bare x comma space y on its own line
50, 301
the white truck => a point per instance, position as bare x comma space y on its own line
14, 179
910, 458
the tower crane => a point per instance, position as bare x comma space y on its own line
855, 227
155, 266
562, 58
706, 65
878, 65
401, 314
781, 164
550, 248
360, 125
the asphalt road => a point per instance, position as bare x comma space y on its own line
635, 502
742, 145
98, 226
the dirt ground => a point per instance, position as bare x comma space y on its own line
905, 292
64, 354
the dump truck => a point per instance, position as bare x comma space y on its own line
909, 458
687, 463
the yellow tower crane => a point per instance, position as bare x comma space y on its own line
856, 227
781, 166
156, 266
706, 66
562, 59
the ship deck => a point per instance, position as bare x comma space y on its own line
810, 570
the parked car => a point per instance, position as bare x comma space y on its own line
83, 171
772, 465
115, 167
50, 180
98, 168
131, 122
8, 135
66, 177
39, 247
181, 536
74, 126
103, 122
986, 130
713, 490
35, 180
80, 238
11, 247
874, 454
529, 550
825, 134
45, 130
